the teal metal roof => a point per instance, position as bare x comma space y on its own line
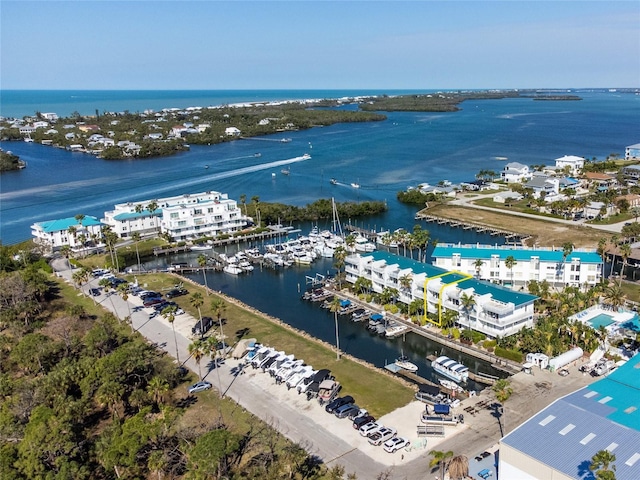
497, 292
520, 254
623, 386
51, 226
135, 215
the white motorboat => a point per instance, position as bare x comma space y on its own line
232, 269
363, 245
355, 185
450, 369
403, 362
451, 385
201, 247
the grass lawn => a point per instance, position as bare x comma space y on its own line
632, 291
252, 324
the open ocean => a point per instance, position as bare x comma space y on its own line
383, 157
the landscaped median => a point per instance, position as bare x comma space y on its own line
373, 388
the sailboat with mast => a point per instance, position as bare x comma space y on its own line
331, 239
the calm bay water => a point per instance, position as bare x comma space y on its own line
383, 157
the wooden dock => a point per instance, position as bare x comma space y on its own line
511, 237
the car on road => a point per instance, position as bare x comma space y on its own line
345, 410
360, 421
394, 444
176, 292
199, 387
338, 402
369, 428
382, 435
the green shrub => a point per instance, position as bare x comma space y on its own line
489, 344
509, 354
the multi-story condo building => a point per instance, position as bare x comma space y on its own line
579, 268
71, 231
489, 308
183, 217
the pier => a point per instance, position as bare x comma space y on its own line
511, 237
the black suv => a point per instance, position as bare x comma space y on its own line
176, 292
338, 402
202, 326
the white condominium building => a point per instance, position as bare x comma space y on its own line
488, 308
184, 217
70, 231
486, 262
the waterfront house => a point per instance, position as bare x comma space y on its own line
559, 441
54, 234
515, 172
507, 196
581, 267
232, 131
598, 209
572, 162
631, 173
88, 128
183, 217
632, 152
26, 130
601, 181
496, 311
41, 124
52, 117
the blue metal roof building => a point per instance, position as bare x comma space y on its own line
559, 441
63, 224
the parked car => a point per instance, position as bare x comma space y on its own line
563, 372
176, 292
338, 402
202, 326
482, 456
94, 292
360, 421
382, 435
345, 410
146, 295
394, 444
199, 387
150, 302
369, 428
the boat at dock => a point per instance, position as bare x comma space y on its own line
450, 385
403, 362
450, 368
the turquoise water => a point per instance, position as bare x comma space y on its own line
601, 320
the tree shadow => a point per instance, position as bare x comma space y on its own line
497, 411
584, 472
187, 401
242, 332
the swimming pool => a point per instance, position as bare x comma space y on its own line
601, 320
633, 324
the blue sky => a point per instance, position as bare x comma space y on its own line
318, 44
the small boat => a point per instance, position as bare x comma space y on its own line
285, 140
201, 247
333, 181
273, 175
285, 171
451, 385
450, 369
501, 158
257, 154
206, 166
355, 185
403, 362
232, 269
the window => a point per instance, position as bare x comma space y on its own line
174, 215
182, 223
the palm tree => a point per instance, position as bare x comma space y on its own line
218, 306
123, 290
105, 283
170, 314
339, 255
467, 301
202, 261
567, 249
197, 301
196, 350
458, 468
152, 207
243, 202
440, 458
65, 250
614, 295
510, 262
602, 465
335, 308
157, 387
73, 231
478, 266
135, 236
625, 253
503, 391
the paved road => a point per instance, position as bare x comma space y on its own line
331, 439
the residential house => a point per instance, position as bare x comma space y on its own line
632, 199
598, 209
496, 311
232, 131
40, 124
27, 130
631, 173
515, 172
52, 117
507, 196
580, 267
574, 163
88, 128
602, 181
543, 185
55, 234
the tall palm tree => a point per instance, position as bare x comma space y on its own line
510, 262
152, 207
243, 202
73, 231
218, 306
135, 236
614, 295
567, 249
170, 314
440, 458
123, 290
602, 465
625, 253
202, 261
335, 308
503, 390
197, 351
339, 256
197, 301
